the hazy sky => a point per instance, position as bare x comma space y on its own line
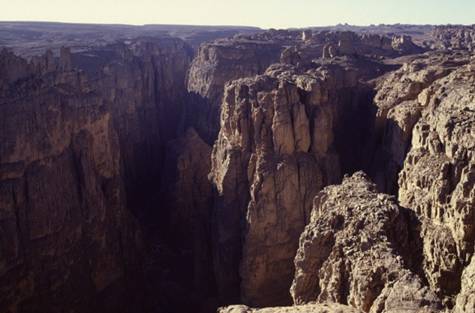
263, 13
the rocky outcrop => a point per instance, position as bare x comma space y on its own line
281, 134
353, 252
219, 62
108, 151
400, 98
466, 297
242, 56
309, 308
61, 195
438, 177
454, 37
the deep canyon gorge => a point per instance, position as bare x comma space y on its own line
244, 171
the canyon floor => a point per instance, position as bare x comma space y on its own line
170, 169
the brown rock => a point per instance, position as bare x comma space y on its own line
309, 308
437, 180
277, 147
350, 252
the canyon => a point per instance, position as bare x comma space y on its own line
237, 170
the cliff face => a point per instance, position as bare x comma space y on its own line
242, 56
61, 194
274, 154
401, 97
219, 62
83, 143
144, 81
279, 144
438, 182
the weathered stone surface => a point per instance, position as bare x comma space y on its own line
89, 137
352, 252
400, 98
225, 60
438, 177
454, 37
61, 195
219, 62
277, 147
466, 298
309, 308
83, 140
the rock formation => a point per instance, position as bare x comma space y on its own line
400, 98
133, 179
352, 252
279, 144
466, 297
219, 62
80, 149
453, 37
438, 179
309, 308
61, 195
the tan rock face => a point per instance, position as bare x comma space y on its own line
276, 148
309, 308
400, 98
225, 60
466, 297
352, 252
454, 37
437, 180
216, 64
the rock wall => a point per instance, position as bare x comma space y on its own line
401, 97
278, 146
217, 63
61, 195
83, 147
109, 151
310, 308
438, 182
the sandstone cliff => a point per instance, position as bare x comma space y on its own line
438, 179
280, 142
61, 194
401, 96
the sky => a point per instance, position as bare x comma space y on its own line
261, 13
